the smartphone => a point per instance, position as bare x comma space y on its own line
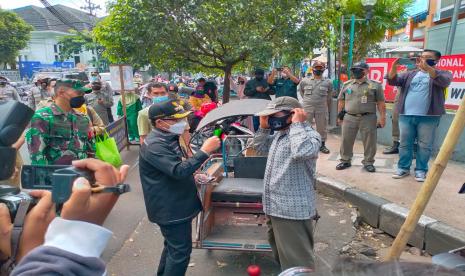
408, 61
279, 69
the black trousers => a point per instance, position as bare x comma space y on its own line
177, 249
110, 115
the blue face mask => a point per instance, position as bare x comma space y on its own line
160, 99
93, 78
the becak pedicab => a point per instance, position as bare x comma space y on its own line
231, 184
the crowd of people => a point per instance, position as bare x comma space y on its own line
69, 114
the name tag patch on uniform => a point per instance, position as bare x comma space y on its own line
364, 99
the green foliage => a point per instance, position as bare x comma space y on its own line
386, 15
210, 34
15, 36
77, 42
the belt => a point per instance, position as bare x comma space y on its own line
360, 114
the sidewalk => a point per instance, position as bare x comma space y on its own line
445, 205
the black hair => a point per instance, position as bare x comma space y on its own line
201, 79
435, 52
156, 85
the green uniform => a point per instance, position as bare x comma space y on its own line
360, 101
251, 89
57, 138
316, 95
133, 106
285, 87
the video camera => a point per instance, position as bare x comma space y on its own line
56, 178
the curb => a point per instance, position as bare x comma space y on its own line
430, 234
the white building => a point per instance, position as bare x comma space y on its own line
43, 46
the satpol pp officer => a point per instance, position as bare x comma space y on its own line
360, 97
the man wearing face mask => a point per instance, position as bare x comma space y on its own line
158, 93
258, 88
289, 194
168, 184
420, 106
360, 97
106, 89
58, 134
285, 84
99, 101
316, 93
7, 92
38, 92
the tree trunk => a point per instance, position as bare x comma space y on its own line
226, 83
170, 75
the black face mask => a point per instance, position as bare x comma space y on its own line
358, 73
318, 72
259, 77
431, 62
278, 123
77, 102
2, 83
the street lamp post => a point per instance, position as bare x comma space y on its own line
368, 5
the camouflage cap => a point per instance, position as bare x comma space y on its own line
280, 104
74, 84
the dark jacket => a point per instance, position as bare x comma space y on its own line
437, 88
251, 89
167, 181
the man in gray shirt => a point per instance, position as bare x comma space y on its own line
289, 194
100, 101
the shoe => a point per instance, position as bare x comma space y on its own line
343, 165
400, 174
370, 168
324, 149
420, 176
394, 149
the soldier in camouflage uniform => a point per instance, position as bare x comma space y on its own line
58, 134
7, 92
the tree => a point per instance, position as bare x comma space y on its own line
387, 14
212, 34
77, 42
15, 36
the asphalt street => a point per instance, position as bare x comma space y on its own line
137, 244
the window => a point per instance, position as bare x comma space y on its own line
77, 59
446, 8
55, 48
25, 57
57, 58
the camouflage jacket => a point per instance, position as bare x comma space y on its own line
57, 138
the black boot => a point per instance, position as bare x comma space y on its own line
394, 149
323, 148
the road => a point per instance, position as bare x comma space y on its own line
136, 245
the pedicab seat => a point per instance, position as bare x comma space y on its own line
239, 190
247, 184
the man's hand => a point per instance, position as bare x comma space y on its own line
260, 89
287, 71
211, 145
299, 115
382, 122
88, 207
35, 226
264, 122
396, 63
339, 122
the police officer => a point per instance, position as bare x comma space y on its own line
38, 92
359, 98
59, 134
7, 92
316, 93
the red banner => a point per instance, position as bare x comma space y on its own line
379, 67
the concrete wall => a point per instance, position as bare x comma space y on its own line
385, 138
437, 37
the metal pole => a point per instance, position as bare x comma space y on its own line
453, 27
351, 42
341, 51
123, 101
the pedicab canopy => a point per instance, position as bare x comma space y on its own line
247, 107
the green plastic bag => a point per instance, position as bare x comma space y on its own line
107, 150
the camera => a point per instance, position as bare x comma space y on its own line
12, 198
279, 69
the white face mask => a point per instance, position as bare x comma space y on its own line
178, 128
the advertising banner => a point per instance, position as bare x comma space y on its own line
379, 68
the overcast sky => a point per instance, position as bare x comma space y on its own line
76, 4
